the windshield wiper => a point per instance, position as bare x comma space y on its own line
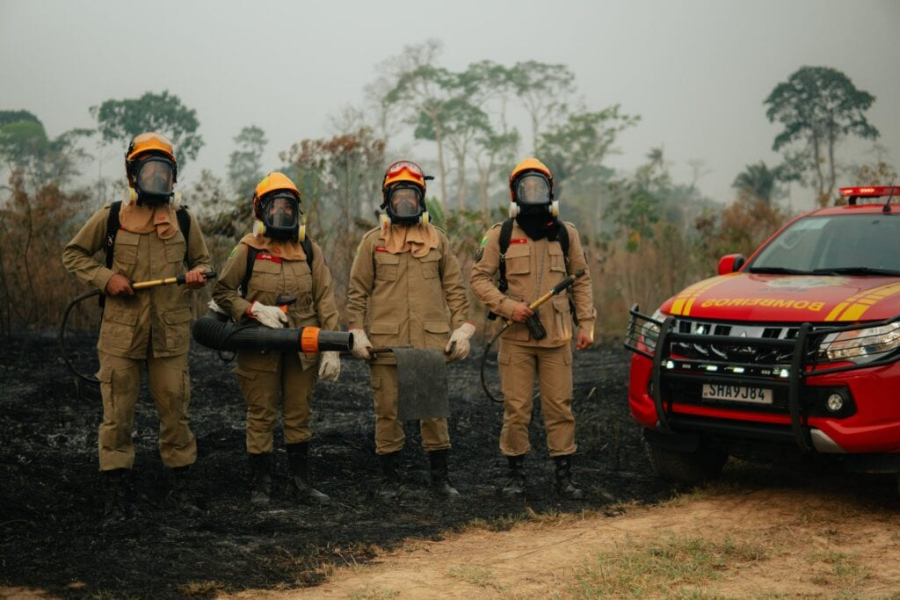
777, 271
856, 271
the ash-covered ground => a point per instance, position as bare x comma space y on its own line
51, 497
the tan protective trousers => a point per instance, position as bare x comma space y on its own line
388, 429
170, 388
518, 363
267, 381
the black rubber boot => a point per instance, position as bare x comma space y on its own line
515, 479
440, 474
181, 495
564, 486
260, 479
115, 503
297, 458
390, 476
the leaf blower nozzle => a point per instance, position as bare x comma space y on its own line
215, 331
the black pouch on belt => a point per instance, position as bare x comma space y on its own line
535, 327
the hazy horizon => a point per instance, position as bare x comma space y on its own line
696, 72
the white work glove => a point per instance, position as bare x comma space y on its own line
270, 316
330, 366
458, 346
361, 344
216, 308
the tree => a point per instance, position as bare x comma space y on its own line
492, 151
245, 163
462, 122
25, 146
421, 90
583, 141
542, 89
759, 181
638, 201
818, 107
120, 120
339, 180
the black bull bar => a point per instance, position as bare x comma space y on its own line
654, 339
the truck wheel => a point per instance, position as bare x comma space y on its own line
686, 467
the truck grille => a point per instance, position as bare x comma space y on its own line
733, 351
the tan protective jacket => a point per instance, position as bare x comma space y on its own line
272, 275
157, 319
532, 268
402, 300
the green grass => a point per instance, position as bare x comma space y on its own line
370, 593
841, 571
677, 566
479, 576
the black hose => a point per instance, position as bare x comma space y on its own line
61, 337
484, 356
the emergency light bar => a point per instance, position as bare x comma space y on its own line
871, 191
852, 193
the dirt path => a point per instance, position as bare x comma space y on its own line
796, 543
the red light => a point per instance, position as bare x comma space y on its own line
871, 191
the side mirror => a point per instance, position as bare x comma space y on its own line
731, 263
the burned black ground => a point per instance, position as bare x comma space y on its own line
51, 503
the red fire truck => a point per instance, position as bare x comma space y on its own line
795, 349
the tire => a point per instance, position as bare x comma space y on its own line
686, 467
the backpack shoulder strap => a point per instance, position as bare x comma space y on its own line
184, 224
563, 240
306, 244
112, 230
251, 260
505, 236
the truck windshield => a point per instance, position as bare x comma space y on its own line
838, 245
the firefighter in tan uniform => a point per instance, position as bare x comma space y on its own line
150, 326
288, 265
406, 289
535, 261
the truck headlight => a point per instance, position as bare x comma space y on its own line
650, 330
860, 345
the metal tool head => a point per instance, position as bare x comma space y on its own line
422, 384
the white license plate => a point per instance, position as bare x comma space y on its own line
736, 393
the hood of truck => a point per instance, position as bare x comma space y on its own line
788, 298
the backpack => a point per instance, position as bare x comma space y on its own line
306, 244
112, 230
506, 236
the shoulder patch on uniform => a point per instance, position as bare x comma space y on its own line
234, 251
484, 241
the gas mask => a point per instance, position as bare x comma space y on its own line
280, 214
153, 180
404, 204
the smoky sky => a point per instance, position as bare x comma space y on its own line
696, 72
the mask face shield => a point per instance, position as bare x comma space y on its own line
155, 179
405, 202
281, 212
533, 189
